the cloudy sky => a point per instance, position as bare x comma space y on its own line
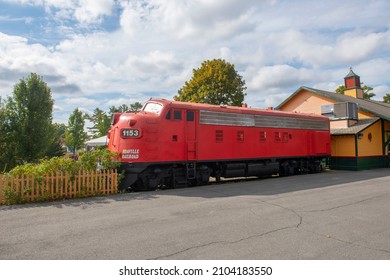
99, 53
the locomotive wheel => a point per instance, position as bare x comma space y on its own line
202, 176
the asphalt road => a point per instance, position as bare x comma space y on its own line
333, 215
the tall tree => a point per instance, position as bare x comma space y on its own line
101, 123
386, 98
75, 135
6, 149
134, 107
56, 147
215, 82
121, 109
30, 118
367, 92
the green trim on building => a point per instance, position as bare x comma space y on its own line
383, 137
343, 163
356, 146
357, 163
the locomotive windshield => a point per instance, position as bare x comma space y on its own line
152, 107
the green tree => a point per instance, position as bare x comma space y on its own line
340, 89
30, 118
75, 135
121, 109
134, 107
6, 150
386, 98
101, 123
56, 147
367, 94
215, 82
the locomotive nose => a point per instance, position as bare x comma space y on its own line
132, 122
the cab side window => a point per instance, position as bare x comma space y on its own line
190, 116
168, 115
177, 115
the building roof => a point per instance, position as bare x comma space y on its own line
380, 109
101, 141
356, 128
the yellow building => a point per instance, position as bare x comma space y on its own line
360, 128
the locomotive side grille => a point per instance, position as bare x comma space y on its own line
231, 119
287, 122
210, 117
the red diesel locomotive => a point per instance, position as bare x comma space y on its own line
173, 144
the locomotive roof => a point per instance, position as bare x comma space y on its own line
231, 109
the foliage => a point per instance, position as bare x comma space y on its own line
134, 107
340, 89
75, 135
107, 159
5, 141
86, 161
215, 82
367, 94
30, 118
12, 197
386, 98
102, 120
58, 137
101, 123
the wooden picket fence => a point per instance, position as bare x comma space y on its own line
28, 188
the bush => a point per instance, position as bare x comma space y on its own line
86, 162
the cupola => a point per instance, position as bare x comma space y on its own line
352, 85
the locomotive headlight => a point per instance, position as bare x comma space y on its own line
130, 133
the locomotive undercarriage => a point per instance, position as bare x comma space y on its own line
147, 176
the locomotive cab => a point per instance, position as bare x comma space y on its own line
148, 140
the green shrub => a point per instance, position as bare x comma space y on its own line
10, 196
86, 162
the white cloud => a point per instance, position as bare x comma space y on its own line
275, 46
91, 11
82, 101
279, 76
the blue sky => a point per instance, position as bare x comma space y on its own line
102, 53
